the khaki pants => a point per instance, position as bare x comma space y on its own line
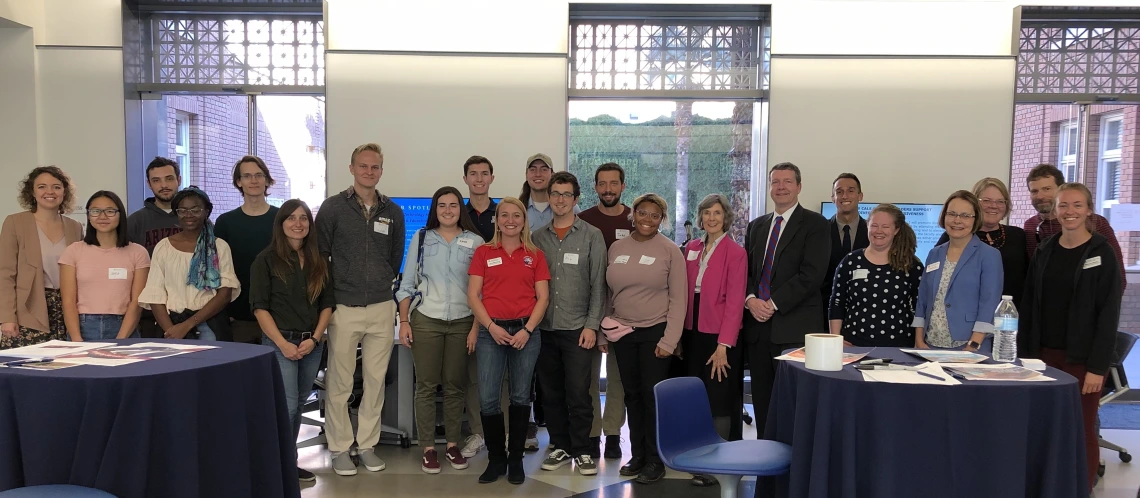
614, 417
373, 327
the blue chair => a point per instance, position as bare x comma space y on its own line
687, 441
55, 491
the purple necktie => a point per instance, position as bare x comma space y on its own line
765, 291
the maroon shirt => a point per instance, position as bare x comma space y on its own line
1037, 231
612, 227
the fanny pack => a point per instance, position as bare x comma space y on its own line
613, 329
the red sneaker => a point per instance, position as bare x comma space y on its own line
430, 463
456, 458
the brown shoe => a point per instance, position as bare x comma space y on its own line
430, 463
455, 458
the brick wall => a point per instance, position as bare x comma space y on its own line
1035, 139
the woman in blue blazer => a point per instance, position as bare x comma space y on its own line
961, 285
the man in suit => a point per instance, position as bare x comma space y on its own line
787, 256
848, 229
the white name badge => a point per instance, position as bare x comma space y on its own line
693, 255
379, 227
1092, 262
570, 258
860, 274
117, 273
933, 266
621, 260
646, 260
494, 262
621, 233
468, 243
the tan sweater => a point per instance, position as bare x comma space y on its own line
647, 284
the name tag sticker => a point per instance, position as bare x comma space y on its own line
621, 260
380, 227
1092, 262
933, 266
621, 233
494, 262
860, 274
570, 258
468, 243
646, 260
117, 273
693, 255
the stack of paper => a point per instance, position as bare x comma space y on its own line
1004, 372
53, 349
800, 356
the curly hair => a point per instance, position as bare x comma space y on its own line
27, 189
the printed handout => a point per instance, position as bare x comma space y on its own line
1003, 372
53, 349
947, 356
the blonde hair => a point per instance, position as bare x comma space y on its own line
655, 199
368, 147
524, 235
990, 181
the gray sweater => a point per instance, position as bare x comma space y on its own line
578, 276
363, 253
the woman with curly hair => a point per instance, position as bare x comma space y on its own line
31, 242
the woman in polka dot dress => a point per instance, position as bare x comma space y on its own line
875, 289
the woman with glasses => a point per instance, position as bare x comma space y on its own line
102, 275
961, 285
875, 288
436, 323
292, 301
648, 287
191, 274
31, 243
1010, 240
1072, 306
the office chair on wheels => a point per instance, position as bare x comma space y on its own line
1115, 385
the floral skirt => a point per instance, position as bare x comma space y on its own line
28, 337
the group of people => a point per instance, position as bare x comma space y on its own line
512, 307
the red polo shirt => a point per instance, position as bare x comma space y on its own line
508, 279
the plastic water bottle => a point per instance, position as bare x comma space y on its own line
1005, 331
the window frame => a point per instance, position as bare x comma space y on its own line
1105, 179
1068, 163
182, 154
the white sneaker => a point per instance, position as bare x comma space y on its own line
472, 445
370, 461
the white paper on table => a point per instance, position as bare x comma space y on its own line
800, 356
115, 354
1032, 364
53, 349
946, 355
1001, 372
101, 362
185, 347
911, 376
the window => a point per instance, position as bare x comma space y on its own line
181, 146
1078, 57
1108, 162
1067, 147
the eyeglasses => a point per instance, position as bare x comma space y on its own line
252, 176
110, 212
960, 216
994, 202
195, 211
564, 195
646, 214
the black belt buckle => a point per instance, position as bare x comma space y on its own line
517, 322
306, 335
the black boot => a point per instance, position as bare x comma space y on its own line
520, 419
495, 437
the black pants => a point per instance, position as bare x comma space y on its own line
761, 353
564, 376
725, 395
641, 369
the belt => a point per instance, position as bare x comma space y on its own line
296, 336
517, 322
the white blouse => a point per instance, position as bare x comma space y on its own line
167, 285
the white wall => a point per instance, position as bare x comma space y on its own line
63, 99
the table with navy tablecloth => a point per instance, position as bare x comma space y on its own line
852, 438
211, 423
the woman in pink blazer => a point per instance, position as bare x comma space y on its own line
717, 269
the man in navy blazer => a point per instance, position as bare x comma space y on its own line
848, 229
787, 257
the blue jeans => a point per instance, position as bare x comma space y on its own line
298, 376
495, 360
102, 327
205, 333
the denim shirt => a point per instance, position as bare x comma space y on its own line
444, 274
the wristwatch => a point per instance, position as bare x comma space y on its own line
973, 345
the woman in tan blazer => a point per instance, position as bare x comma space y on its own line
31, 310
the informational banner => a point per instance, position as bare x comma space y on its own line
416, 211
1125, 217
923, 218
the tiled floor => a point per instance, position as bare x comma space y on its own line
403, 477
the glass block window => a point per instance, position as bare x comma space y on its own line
237, 50
1062, 57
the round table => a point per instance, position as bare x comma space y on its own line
982, 438
211, 423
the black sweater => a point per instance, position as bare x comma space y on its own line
1094, 312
